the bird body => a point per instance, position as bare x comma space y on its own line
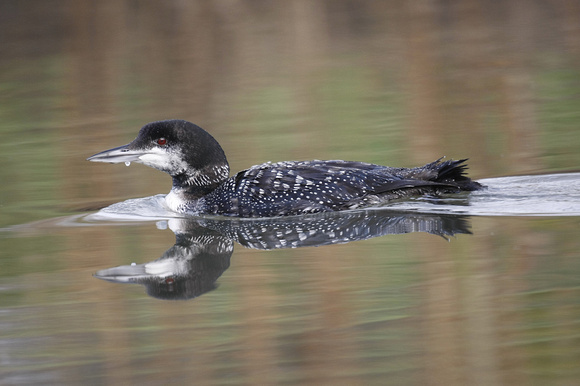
201, 182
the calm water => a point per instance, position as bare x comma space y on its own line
475, 289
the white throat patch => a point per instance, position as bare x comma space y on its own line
167, 161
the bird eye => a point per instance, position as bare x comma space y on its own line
161, 141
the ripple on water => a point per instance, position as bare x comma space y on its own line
538, 195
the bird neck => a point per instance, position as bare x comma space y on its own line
198, 182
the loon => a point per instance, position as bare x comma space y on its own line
202, 185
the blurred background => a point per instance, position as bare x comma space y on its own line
397, 83
389, 82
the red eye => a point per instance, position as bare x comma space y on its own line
161, 141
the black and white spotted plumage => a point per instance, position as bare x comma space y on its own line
200, 185
300, 187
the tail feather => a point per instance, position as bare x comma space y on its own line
452, 172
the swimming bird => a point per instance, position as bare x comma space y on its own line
202, 185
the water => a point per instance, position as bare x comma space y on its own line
537, 195
479, 288
485, 284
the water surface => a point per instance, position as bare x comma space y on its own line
480, 288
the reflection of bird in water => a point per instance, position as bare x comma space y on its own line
333, 228
203, 247
200, 172
188, 269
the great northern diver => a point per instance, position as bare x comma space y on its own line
201, 182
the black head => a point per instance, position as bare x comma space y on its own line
177, 147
